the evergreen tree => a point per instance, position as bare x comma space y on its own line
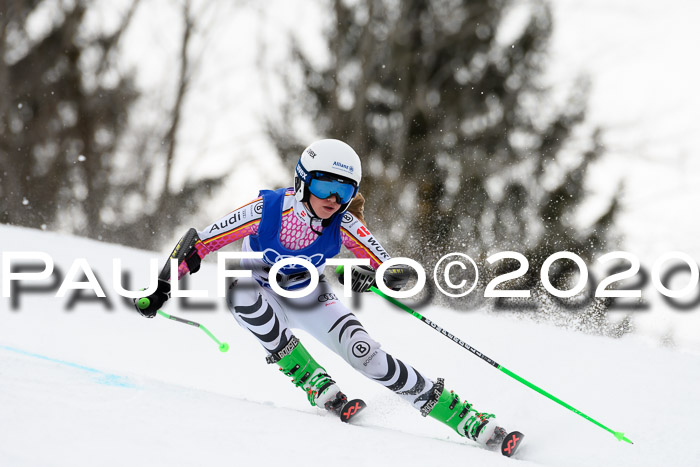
464, 149
65, 108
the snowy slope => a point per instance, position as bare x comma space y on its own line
93, 386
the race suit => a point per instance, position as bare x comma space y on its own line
279, 226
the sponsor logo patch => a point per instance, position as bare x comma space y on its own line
360, 349
326, 297
345, 167
362, 231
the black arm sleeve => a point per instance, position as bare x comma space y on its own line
184, 251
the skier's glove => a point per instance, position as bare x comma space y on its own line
149, 306
397, 277
362, 278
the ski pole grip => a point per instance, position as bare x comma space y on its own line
144, 303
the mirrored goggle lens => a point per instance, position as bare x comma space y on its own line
326, 188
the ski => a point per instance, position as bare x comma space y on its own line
346, 410
511, 443
351, 409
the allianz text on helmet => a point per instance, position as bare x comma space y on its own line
329, 157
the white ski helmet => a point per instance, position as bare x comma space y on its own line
328, 167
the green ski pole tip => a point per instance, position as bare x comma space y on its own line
621, 437
223, 347
144, 303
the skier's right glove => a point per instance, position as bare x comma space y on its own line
149, 306
397, 277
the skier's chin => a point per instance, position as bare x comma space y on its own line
327, 212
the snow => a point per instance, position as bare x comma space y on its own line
90, 385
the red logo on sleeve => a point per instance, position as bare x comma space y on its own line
362, 231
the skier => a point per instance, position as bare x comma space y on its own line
311, 221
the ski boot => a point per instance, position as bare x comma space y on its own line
446, 407
295, 361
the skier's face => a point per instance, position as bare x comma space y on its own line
324, 208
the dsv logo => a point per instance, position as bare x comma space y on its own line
360, 349
326, 297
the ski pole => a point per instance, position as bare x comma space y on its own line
165, 275
619, 435
145, 302
223, 346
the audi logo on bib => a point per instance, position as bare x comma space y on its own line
326, 297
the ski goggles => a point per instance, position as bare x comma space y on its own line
323, 186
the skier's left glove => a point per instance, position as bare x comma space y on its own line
364, 277
149, 306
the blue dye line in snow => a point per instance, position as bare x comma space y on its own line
102, 377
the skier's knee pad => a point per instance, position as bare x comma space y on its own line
362, 352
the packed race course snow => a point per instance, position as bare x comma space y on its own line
93, 385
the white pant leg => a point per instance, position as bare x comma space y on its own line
257, 310
325, 317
